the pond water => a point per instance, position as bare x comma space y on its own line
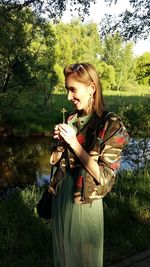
25, 161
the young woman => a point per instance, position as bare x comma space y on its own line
87, 156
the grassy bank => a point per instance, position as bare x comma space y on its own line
127, 216
132, 106
25, 239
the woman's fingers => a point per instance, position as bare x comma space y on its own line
67, 129
56, 128
64, 131
56, 134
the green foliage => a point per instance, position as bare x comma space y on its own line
53, 9
76, 42
133, 23
143, 69
120, 57
136, 118
134, 110
128, 86
107, 75
27, 58
33, 54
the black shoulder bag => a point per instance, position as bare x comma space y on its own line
44, 206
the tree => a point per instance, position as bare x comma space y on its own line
143, 69
75, 42
119, 55
27, 55
27, 58
132, 24
107, 75
54, 9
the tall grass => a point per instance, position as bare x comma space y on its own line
25, 239
127, 215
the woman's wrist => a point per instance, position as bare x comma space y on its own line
75, 145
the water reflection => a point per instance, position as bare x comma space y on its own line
26, 160
136, 154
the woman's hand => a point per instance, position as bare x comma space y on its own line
65, 132
56, 134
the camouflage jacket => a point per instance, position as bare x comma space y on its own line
103, 138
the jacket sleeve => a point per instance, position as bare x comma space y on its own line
110, 142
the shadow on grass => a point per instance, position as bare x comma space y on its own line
25, 240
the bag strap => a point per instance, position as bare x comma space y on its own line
51, 173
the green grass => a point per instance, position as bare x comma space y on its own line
137, 90
132, 106
133, 109
25, 239
127, 216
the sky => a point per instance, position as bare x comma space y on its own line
98, 10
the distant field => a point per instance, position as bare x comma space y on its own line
136, 91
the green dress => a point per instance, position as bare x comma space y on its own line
77, 229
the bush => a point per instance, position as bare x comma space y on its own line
126, 86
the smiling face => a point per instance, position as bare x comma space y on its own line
79, 93
84, 87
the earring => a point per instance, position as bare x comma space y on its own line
91, 102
